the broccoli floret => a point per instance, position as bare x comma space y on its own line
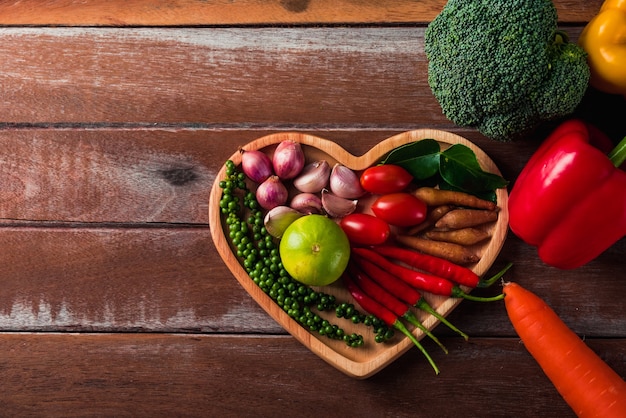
503, 66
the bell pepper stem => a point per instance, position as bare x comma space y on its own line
618, 155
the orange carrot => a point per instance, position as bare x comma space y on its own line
588, 385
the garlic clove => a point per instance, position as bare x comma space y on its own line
278, 219
307, 203
313, 177
336, 206
345, 183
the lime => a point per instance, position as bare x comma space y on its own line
314, 250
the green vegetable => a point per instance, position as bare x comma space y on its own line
503, 66
455, 168
259, 256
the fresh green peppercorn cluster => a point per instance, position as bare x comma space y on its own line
348, 311
261, 260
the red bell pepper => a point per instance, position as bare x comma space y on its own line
570, 198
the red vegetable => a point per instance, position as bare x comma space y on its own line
419, 280
389, 301
431, 264
588, 385
384, 179
384, 314
400, 209
570, 198
365, 229
402, 291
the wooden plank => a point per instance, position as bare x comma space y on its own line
120, 280
247, 12
159, 176
172, 280
218, 77
106, 176
146, 176
190, 375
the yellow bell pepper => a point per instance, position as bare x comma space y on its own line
604, 40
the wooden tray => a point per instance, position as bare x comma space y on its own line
364, 361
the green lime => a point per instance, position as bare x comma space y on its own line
314, 250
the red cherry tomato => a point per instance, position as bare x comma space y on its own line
365, 229
386, 178
400, 209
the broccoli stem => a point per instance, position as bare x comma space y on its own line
560, 37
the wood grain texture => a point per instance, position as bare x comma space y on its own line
146, 176
115, 118
172, 280
247, 12
76, 375
217, 76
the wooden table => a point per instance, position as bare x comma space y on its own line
115, 119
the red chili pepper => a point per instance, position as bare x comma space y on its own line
384, 314
422, 281
435, 265
570, 198
382, 296
403, 291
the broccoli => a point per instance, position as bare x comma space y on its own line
503, 66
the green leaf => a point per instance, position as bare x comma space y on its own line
459, 167
420, 158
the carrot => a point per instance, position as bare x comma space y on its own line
463, 236
458, 254
463, 218
588, 385
436, 197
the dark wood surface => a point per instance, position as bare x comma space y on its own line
115, 118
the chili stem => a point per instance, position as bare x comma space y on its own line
423, 305
410, 317
400, 327
495, 278
618, 155
461, 294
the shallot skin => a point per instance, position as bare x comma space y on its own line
288, 159
271, 193
256, 165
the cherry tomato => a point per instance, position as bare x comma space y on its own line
386, 178
400, 209
365, 229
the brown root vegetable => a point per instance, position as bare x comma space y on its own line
437, 197
431, 218
464, 218
464, 236
455, 253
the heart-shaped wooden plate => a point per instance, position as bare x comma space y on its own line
364, 361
